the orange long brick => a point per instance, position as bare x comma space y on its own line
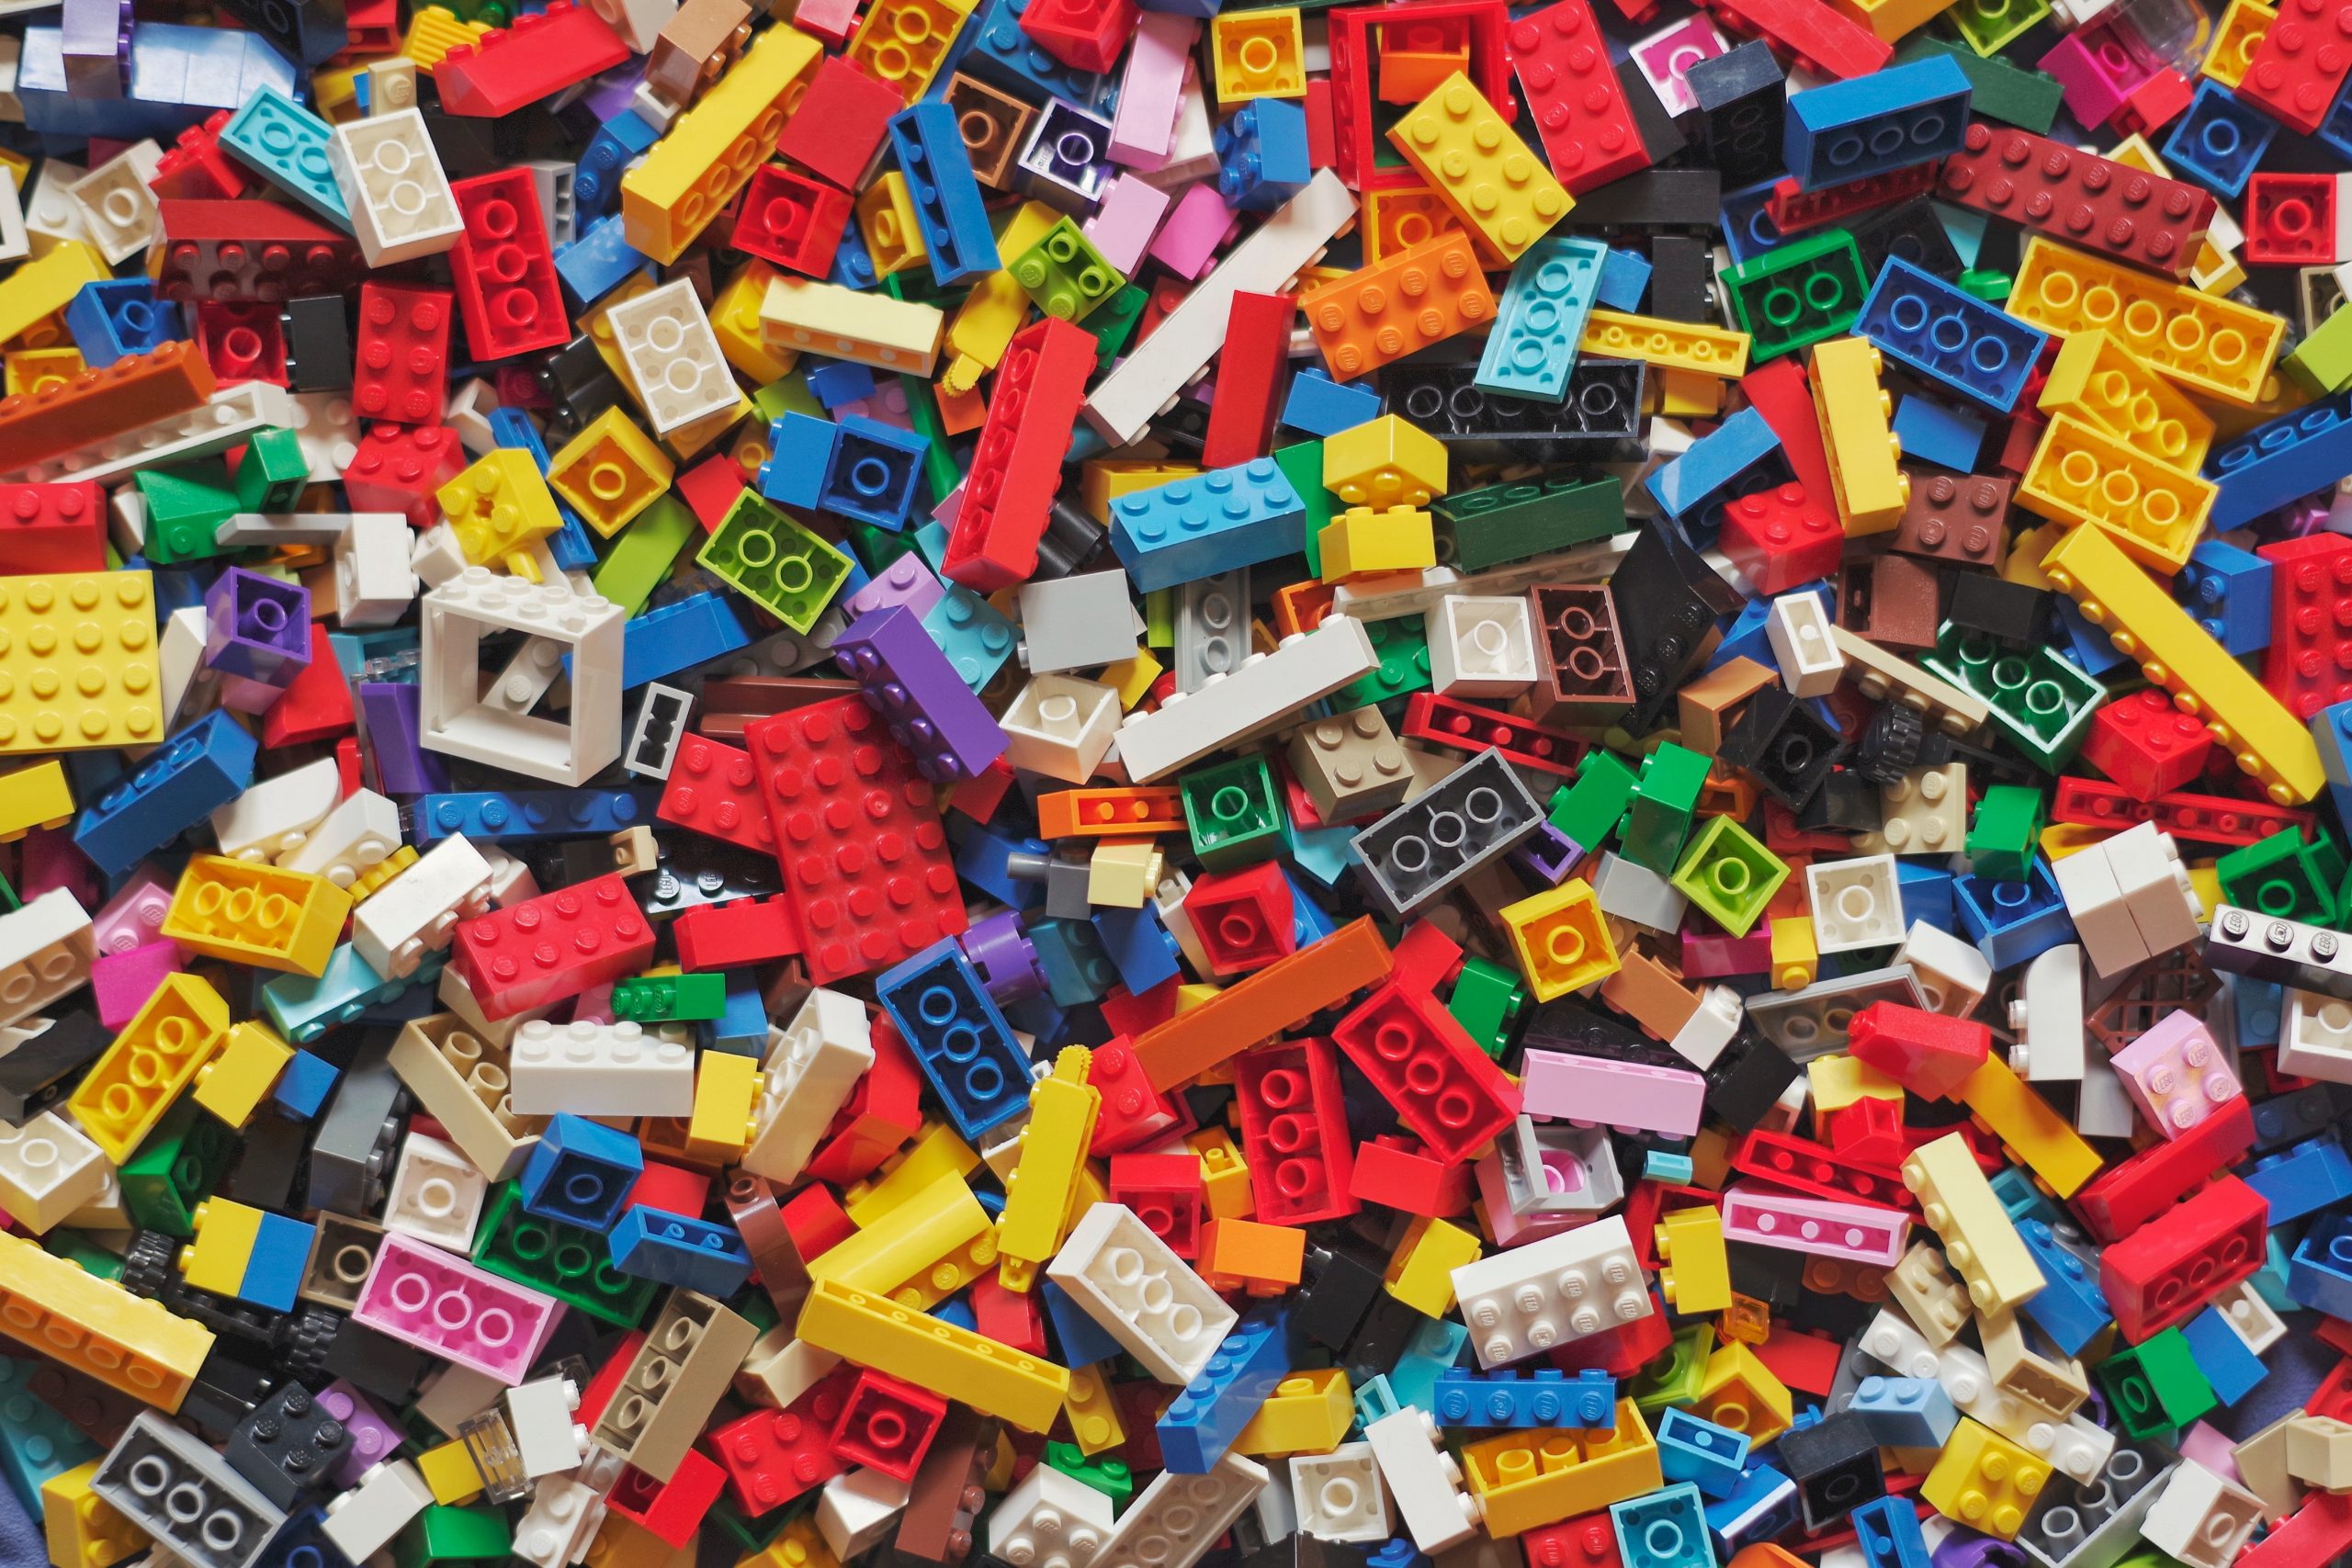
1279, 998
1098, 813
136, 389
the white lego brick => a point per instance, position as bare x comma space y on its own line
2199, 1519
659, 725
1061, 726
1423, 1480
435, 1195
1551, 1292
274, 817
601, 1069
1629, 891
1175, 1520
15, 242
2076, 1447
401, 207
1702, 1038
417, 911
1076, 623
531, 673
1811, 665
2110, 938
116, 204
435, 558
2314, 1037
328, 428
2047, 1017
1893, 1342
813, 1063
1169, 899
191, 687
855, 1512
539, 1414
1148, 1299
1271, 1511
1592, 562
454, 718
50, 214
1050, 1520
646, 102
1339, 1496
560, 1523
1268, 690
1481, 647
552, 183
126, 521
511, 881
672, 356
363, 1520
1951, 973
231, 417
2250, 1317
104, 1210
48, 1170
272, 530
45, 952
1856, 904
2156, 886
361, 832
374, 581
467, 413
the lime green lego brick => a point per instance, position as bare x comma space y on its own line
1159, 619
643, 552
1664, 798
1674, 1377
2321, 363
1501, 523
763, 553
271, 474
2000, 88
1486, 997
1988, 27
177, 1168
1729, 875
1063, 274
2006, 831
1302, 465
1233, 812
1402, 647
786, 394
2278, 876
1794, 296
1588, 808
1107, 1475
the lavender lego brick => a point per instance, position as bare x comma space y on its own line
909, 682
403, 767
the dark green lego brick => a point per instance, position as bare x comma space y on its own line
2000, 88
1658, 818
1794, 296
443, 1534
1502, 523
271, 474
2279, 876
178, 1166
1486, 998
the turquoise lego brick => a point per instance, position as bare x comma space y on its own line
287, 145
1540, 317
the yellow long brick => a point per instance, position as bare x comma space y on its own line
710, 152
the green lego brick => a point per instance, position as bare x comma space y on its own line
1674, 1377
2155, 1386
572, 1265
1729, 875
1795, 295
1234, 812
1402, 646
1064, 275
771, 560
1108, 1476
2005, 833
1664, 798
177, 1168
1302, 465
1998, 87
443, 1534
786, 394
1987, 285
644, 551
667, 999
916, 285
940, 469
271, 474
874, 548
1588, 808
2321, 363
1486, 998
185, 506
1159, 619
1502, 523
1989, 25
76, 1247
1115, 322
2041, 701
2279, 876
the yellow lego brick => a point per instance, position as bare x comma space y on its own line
842, 324
798, 1545
34, 370
134, 1081
1258, 54
1561, 940
2080, 474
1984, 1481
907, 1240
1535, 1477
1093, 1414
2240, 33
434, 31
1225, 1176
610, 472
1854, 412
1131, 678
1308, 1413
93, 1325
1420, 1272
710, 150
886, 222
449, 1470
1360, 541
2178, 654
1739, 1391
234, 1084
2212, 345
1685, 394
2098, 380
81, 1528
689, 441
1105, 479
2215, 270
1480, 168
997, 305
735, 318
1838, 1081
1695, 1269
1797, 958
929, 1353
336, 92
1980, 1240
36, 796
1398, 219
262, 915
498, 508
2024, 1122
78, 661
727, 1099
42, 288
937, 1150
370, 880
1385, 462
1676, 345
901, 42
1039, 1193
225, 1234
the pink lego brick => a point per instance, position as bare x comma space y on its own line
1666, 58
1188, 241
2213, 1450
1590, 1091
46, 859
2100, 68
832, 20
123, 981
2176, 1073
1860, 1233
1123, 226
428, 1298
133, 917
1152, 90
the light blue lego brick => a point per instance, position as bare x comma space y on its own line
1748, 225
179, 76
304, 1086
1078, 971
2218, 142
194, 774
302, 1008
287, 145
509, 815
596, 178
1667, 1529
999, 52
1693, 1449
1762, 1508
2257, 1007
580, 1173
1887, 1533
1208, 523
1906, 1413
599, 262
122, 316
2227, 1362
948, 203
1320, 406
1739, 456
37, 1444
800, 451
1138, 945
1625, 278
678, 636
1948, 335
958, 1038
680, 1252
1209, 1412
1436, 1346
1547, 1397
1657, 1164
1872, 125
1966, 227
1262, 155
2228, 589
274, 1268
1322, 853
2281, 460
2301, 1180
2071, 1308
2271, 1280
973, 632
1540, 317
1939, 433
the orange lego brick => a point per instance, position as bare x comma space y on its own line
1099, 813
1423, 293
136, 389
1244, 1249
1281, 995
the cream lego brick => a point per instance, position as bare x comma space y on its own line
1157, 370
1061, 726
1979, 1242
2076, 1447
1339, 1496
1174, 1522
813, 1063
1856, 903
231, 417
2261, 1462
562, 1520
455, 1395
1050, 1520
328, 428
1269, 689
2110, 938
2154, 886
15, 242
674, 1382
374, 582
45, 952
2319, 1453
1883, 677
1423, 1480
416, 913
855, 1511
461, 1084
539, 1414
666, 345
2199, 1519
1592, 562
363, 1520
1551, 1292
2103, 1108
2047, 1017
1925, 812
1481, 647
274, 817
1144, 1295
116, 207
48, 1170
784, 1371
436, 1194
1811, 664
454, 719
458, 997
1702, 1038
2250, 1317
2314, 1037
272, 530
511, 881
1628, 891
391, 85
360, 833
1951, 973
1922, 1285
2050, 1382
1168, 900
391, 180
873, 330
601, 1069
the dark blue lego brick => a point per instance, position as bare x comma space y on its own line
874, 472
1139, 945
654, 1244
959, 1039
2219, 140
1950, 335
1875, 124
948, 203
194, 774
580, 1173
1201, 1425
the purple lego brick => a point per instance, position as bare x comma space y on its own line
257, 635
1550, 854
389, 710
909, 680
1007, 960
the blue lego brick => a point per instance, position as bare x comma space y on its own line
1262, 155
1659, 1166
2093, 651
679, 635
286, 144
999, 52
1749, 637
580, 1173
1887, 1533
569, 544
2012, 921
304, 1086
597, 263
1547, 1397
1320, 406
654, 1244
196, 771
1938, 432
741, 1027
1139, 945
1208, 523
1309, 922
1667, 1529
37, 1444
179, 75
1434, 1347
2228, 589
2071, 1308
873, 473
1948, 335
2304, 1180
2288, 458
981, 853
1395, 1552
1374, 1399
1208, 1414
2257, 1006
1078, 970
838, 381
948, 203
274, 1268
512, 816
2219, 142
1875, 124
2227, 1362
1739, 456
1693, 1449
1540, 317
302, 1008
596, 178
852, 265
800, 451
1625, 278
1764, 1507
1748, 225
957, 1310
1906, 1413
958, 1037
2336, 129
1081, 1340
118, 318
2319, 1273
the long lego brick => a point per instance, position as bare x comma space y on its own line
1263, 693
93, 1325
2078, 196
1617, 1094
1276, 1000
1818, 1227
2183, 658
2301, 451
879, 1333
2207, 818
1016, 464
712, 150
135, 390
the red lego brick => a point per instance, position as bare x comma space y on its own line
737, 933
1321, 149
710, 487
1166, 1194
1795, 210
2128, 1194
504, 268
816, 1221
1781, 537
791, 219
47, 529
2316, 1534
1779, 391
1132, 1111
1806, 1362
2154, 103
2147, 745
1250, 375
671, 1509
136, 389
713, 791
883, 1111
1294, 1131
399, 468
673, 1189
1927, 1053
251, 250
888, 1424
841, 122
554, 946
400, 361
2309, 663
1578, 106
1464, 727
2205, 818
1167, 293
242, 341
2079, 197
509, 69
1817, 1170
978, 796
1587, 1542
1445, 1090
609, 1378
773, 1456
1008, 1316
316, 704
1398, 1173
1355, 123
1425, 957
375, 28
2165, 1273
1868, 1131
2301, 63
1016, 464
1086, 34
1821, 39
194, 169
2290, 220
1243, 917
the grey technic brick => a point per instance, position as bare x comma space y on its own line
1076, 623
351, 1154
2309, 958
1212, 627
1812, 1021
2094, 1526
1476, 814
179, 1491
